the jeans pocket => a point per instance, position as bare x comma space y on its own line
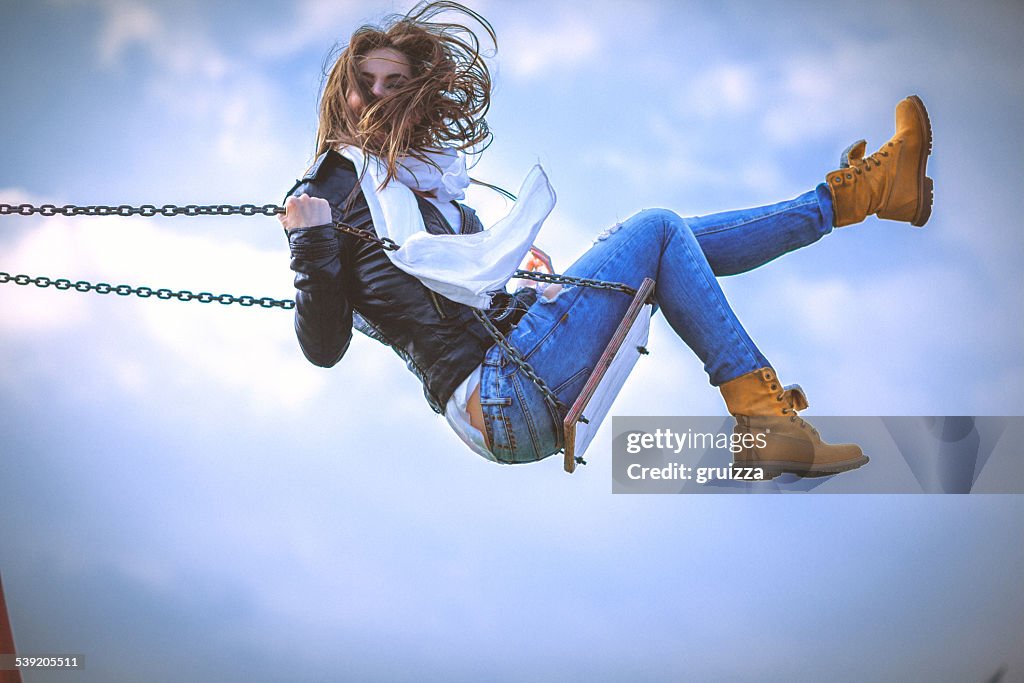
500, 435
522, 429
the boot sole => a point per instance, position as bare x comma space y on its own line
924, 202
775, 468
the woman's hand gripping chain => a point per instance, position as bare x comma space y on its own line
305, 212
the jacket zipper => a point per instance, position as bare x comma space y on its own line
437, 304
443, 222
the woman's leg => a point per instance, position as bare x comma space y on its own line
684, 256
891, 183
563, 338
659, 244
738, 241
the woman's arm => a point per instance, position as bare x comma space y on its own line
323, 315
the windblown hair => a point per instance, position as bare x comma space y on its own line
443, 104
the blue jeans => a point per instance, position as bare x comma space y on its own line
563, 338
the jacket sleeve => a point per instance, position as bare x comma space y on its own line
323, 308
323, 314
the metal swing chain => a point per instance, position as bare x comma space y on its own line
145, 292
149, 210
549, 278
555, 278
523, 364
556, 406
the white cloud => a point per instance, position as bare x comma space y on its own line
314, 24
127, 24
914, 341
677, 156
723, 89
176, 47
813, 94
229, 98
250, 351
556, 45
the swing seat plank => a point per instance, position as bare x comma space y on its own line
627, 344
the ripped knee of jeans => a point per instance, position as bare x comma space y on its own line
604, 234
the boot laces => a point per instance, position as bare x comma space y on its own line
871, 161
804, 424
787, 408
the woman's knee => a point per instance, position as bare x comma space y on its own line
665, 221
662, 221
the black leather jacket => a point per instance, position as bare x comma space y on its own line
341, 280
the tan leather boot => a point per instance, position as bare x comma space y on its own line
891, 183
773, 437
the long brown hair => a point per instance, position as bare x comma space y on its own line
443, 104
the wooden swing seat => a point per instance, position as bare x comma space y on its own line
613, 367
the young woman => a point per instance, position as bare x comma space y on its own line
400, 104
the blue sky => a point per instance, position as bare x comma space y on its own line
183, 496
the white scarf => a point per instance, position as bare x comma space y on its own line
463, 268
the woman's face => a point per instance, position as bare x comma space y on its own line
382, 70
